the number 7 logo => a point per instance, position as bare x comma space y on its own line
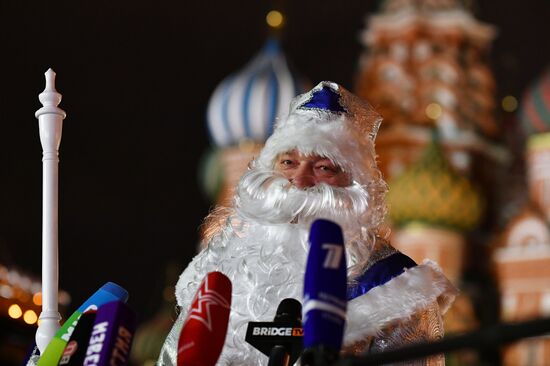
334, 255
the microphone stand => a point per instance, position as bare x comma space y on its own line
278, 356
319, 356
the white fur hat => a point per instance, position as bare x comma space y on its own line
332, 122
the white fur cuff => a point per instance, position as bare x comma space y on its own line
398, 299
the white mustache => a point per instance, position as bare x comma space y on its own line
267, 196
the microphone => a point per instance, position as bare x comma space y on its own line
325, 286
74, 352
203, 334
108, 292
281, 339
112, 335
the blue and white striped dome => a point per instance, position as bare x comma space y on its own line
246, 105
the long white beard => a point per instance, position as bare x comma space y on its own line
263, 250
265, 264
268, 198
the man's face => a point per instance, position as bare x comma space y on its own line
305, 171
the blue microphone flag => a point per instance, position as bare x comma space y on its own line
325, 287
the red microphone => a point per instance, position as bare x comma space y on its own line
203, 333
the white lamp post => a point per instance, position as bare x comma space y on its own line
50, 122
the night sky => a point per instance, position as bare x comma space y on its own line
136, 77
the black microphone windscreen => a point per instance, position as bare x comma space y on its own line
289, 310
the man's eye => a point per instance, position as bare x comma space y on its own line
327, 168
286, 162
